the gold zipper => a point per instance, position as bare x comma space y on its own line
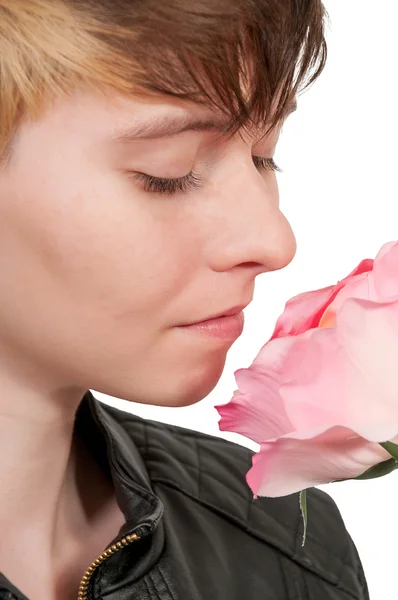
82, 594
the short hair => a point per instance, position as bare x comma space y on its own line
198, 50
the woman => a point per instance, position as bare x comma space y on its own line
138, 195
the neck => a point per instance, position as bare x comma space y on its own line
52, 489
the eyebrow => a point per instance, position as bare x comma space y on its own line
161, 126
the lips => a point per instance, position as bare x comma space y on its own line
235, 310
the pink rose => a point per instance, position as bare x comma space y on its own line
323, 391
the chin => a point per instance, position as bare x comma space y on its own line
177, 398
186, 391
173, 388
193, 387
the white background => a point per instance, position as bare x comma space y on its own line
339, 191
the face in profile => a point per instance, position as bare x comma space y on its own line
101, 259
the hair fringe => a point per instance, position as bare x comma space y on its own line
246, 58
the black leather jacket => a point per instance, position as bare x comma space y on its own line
193, 530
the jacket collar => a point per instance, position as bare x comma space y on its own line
101, 428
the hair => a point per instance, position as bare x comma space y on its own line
198, 50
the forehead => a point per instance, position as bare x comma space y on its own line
121, 120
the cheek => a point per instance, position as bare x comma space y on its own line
121, 260
101, 255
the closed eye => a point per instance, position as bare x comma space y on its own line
192, 181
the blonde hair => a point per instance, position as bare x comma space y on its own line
189, 49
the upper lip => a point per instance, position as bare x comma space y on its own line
235, 310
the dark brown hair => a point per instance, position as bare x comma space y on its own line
247, 58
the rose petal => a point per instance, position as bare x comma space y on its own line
288, 466
368, 334
358, 287
244, 415
384, 277
299, 312
304, 311
323, 378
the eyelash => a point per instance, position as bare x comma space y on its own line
192, 181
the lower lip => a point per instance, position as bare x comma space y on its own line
225, 328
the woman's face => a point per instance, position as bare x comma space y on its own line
97, 272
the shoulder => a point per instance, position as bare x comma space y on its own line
212, 471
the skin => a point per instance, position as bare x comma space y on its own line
95, 275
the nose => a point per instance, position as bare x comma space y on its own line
249, 227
